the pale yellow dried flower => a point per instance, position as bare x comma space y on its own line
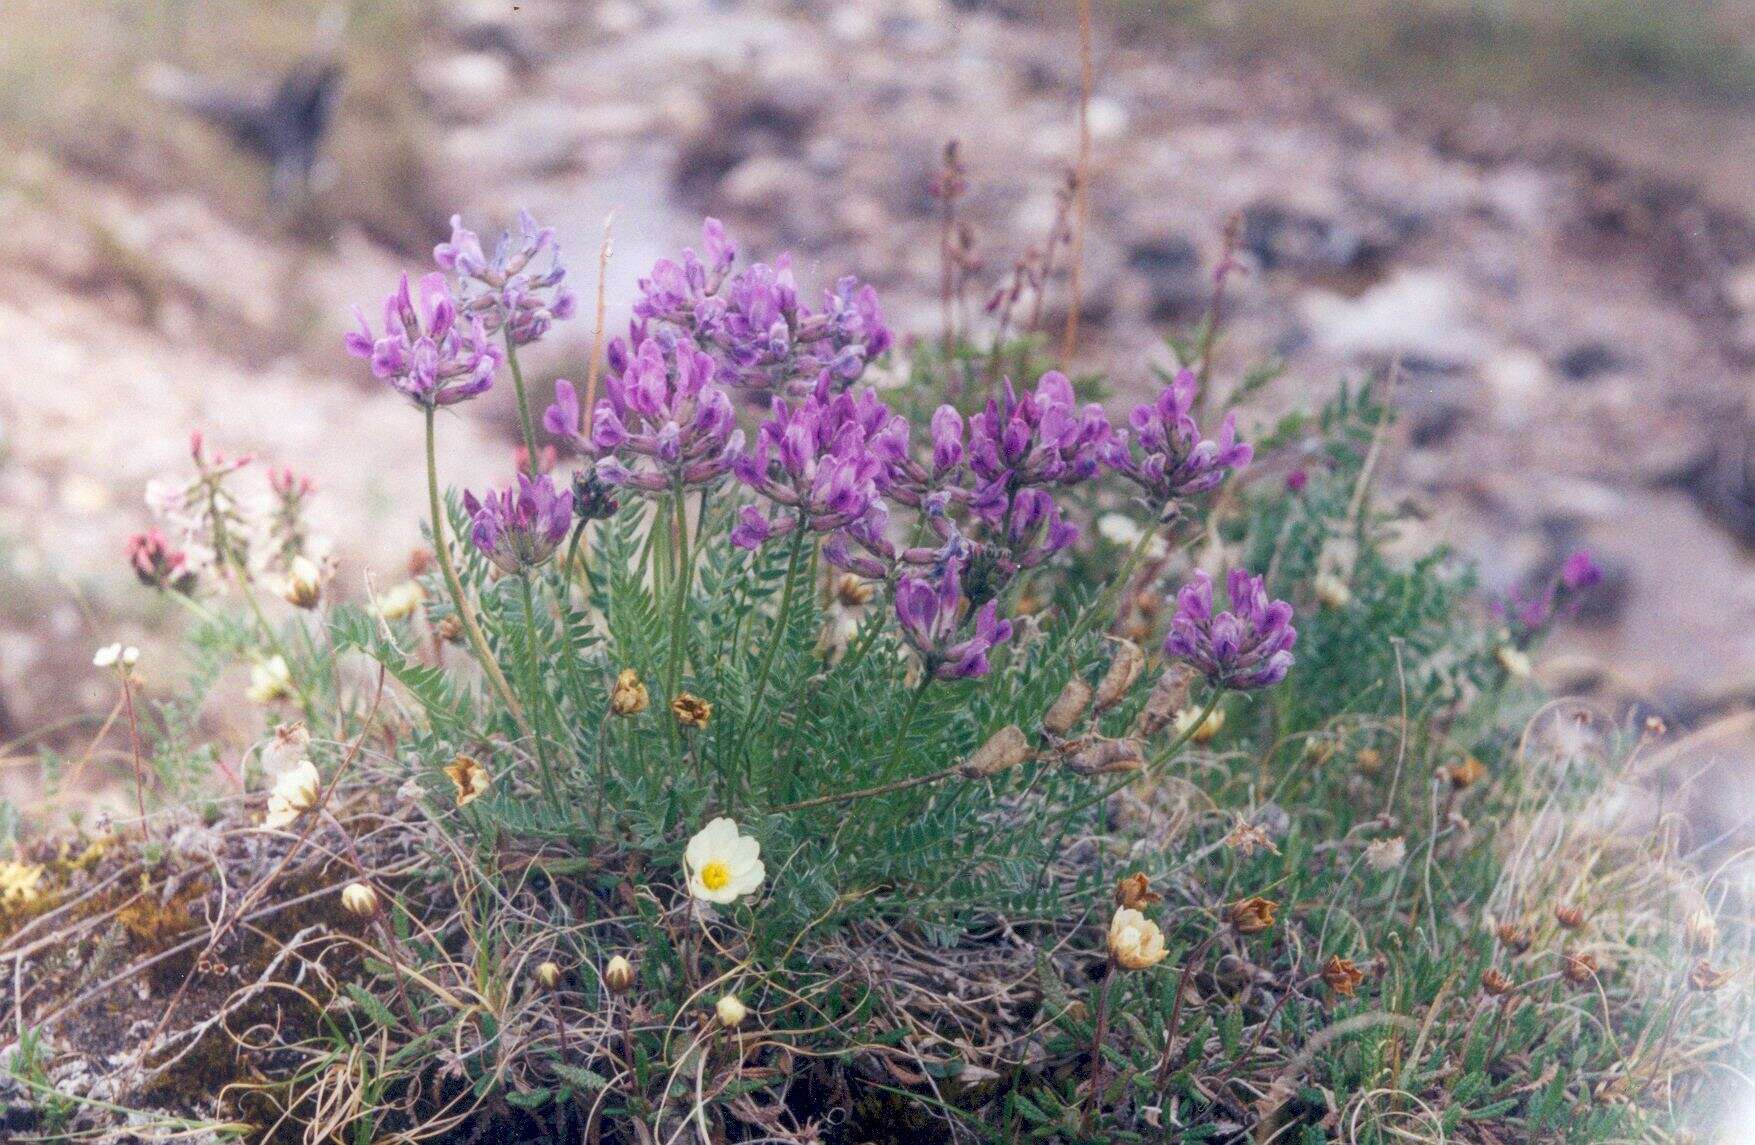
470, 779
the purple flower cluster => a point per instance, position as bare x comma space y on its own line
752, 322
520, 528
1168, 458
1245, 648
928, 613
661, 422
433, 355
1041, 440
503, 290
1529, 616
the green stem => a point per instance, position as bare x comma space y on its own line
442, 553
1111, 596
907, 722
533, 685
524, 423
679, 604
775, 636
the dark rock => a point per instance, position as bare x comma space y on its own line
1586, 361
1176, 288
1722, 483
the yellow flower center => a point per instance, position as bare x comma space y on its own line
715, 875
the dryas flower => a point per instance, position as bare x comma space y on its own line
431, 356
730, 1011
295, 793
1342, 975
270, 680
399, 601
1386, 854
1247, 647
629, 696
662, 422
1135, 942
470, 779
548, 975
1252, 915
519, 529
359, 899
1209, 727
618, 975
691, 711
928, 614
503, 290
722, 864
1332, 591
1168, 458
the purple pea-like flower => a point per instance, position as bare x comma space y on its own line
520, 528
928, 615
503, 290
661, 423
1248, 647
1580, 571
432, 354
1168, 458
1042, 439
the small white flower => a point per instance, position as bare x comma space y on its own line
1120, 529
1135, 942
1515, 661
730, 1009
130, 656
722, 864
294, 794
269, 681
399, 601
107, 656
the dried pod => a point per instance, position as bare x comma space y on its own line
1107, 757
1342, 975
1004, 750
1124, 669
1169, 695
1063, 715
1135, 891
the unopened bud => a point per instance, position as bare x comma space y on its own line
1124, 670
1004, 750
618, 975
1063, 715
450, 629
304, 583
1700, 932
549, 975
1252, 915
731, 1011
359, 899
1107, 757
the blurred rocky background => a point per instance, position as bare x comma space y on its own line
1540, 214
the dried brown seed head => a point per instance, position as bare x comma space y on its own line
450, 629
1252, 915
1466, 772
1245, 838
1107, 757
1706, 979
1369, 760
852, 591
1135, 891
470, 779
1578, 969
1496, 984
1513, 938
1569, 916
1342, 975
629, 696
691, 711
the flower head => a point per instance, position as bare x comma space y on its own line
359, 899
1135, 942
929, 616
1167, 457
618, 975
270, 680
548, 975
1043, 438
1247, 647
504, 291
520, 528
159, 564
295, 793
1496, 984
722, 864
1183, 724
691, 711
1342, 975
19, 882
629, 696
116, 656
1386, 854
1578, 969
730, 1011
399, 601
1253, 915
820, 461
1706, 979
430, 354
303, 584
1135, 891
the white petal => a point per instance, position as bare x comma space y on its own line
748, 880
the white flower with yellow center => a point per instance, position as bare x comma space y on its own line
723, 865
295, 793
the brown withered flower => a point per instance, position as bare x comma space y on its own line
1341, 975
1124, 668
1513, 938
1135, 891
1569, 916
1578, 969
1496, 984
1245, 838
470, 779
450, 629
1369, 761
1068, 707
1700, 932
1106, 757
420, 562
1252, 915
1168, 696
1705, 979
1004, 750
1465, 772
629, 696
691, 711
852, 591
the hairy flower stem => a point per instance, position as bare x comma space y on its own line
685, 582
1104, 609
531, 462
533, 685
908, 722
1095, 1098
870, 792
1172, 1029
775, 635
134, 749
442, 553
